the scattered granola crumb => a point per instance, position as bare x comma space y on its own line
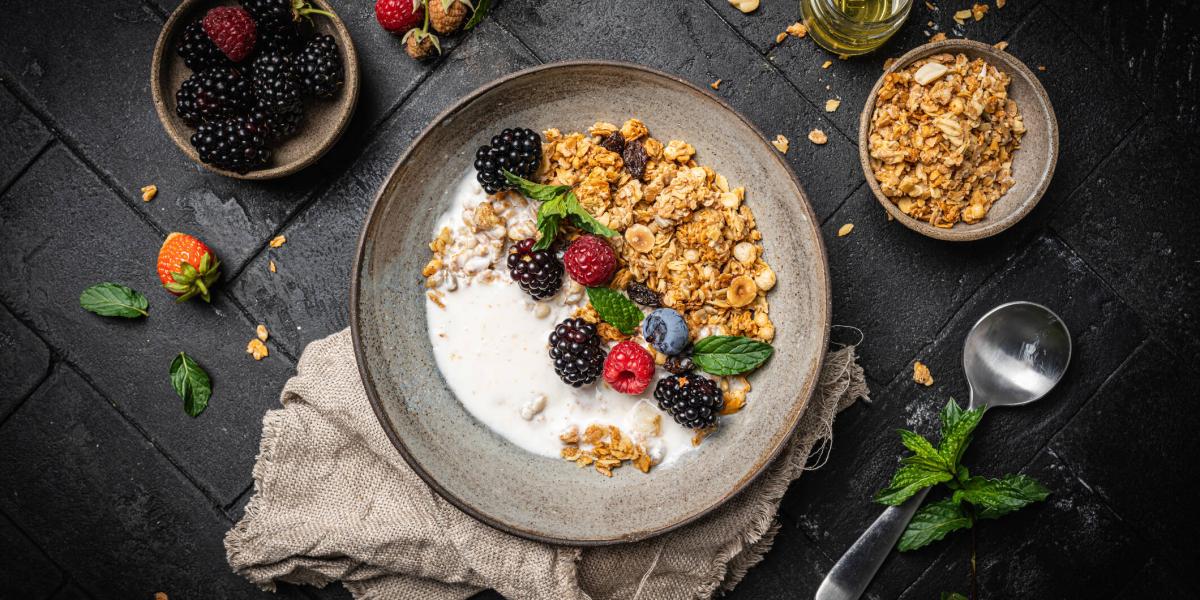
845, 230
1001, 3
782, 36
1041, 67
938, 37
716, 85
889, 216
797, 29
930, 6
832, 104
433, 296
1000, 45
701, 434
817, 137
826, 64
261, 332
961, 16
843, 57
921, 374
746, 6
978, 10
160, 596
257, 349
149, 192
278, 241
271, 266
781, 143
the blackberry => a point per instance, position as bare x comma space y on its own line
319, 67
198, 51
538, 272
693, 400
274, 81
280, 123
270, 14
235, 144
280, 40
577, 352
517, 150
214, 93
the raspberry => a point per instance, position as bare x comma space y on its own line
197, 51
397, 16
629, 368
590, 260
232, 30
694, 401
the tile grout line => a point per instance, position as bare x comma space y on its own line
21, 530
27, 166
36, 388
842, 203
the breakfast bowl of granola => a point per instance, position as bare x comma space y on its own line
590, 303
958, 140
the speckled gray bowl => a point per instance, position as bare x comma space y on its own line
477, 470
1033, 162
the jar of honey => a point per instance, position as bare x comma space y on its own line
852, 27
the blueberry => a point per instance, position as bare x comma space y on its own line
666, 331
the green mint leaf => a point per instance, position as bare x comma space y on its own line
908, 480
919, 445
730, 354
585, 220
953, 596
114, 300
536, 191
615, 309
481, 10
995, 498
932, 522
192, 384
550, 215
957, 427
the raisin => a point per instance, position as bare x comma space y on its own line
615, 142
679, 365
635, 158
643, 295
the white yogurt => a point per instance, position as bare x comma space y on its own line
491, 343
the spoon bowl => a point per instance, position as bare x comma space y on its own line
1015, 354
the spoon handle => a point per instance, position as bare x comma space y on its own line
853, 572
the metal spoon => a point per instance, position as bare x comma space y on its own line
1013, 355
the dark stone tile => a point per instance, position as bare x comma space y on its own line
57, 217
100, 498
112, 118
333, 591
71, 592
761, 26
836, 499
26, 361
1147, 251
793, 567
690, 41
851, 80
1155, 44
924, 280
1158, 581
487, 595
1131, 445
1069, 546
24, 571
306, 298
24, 135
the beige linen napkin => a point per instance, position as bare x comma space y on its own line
334, 500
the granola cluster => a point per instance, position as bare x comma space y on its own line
609, 449
686, 234
942, 138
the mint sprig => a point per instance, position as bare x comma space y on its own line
615, 309
730, 354
972, 497
480, 11
192, 383
558, 203
114, 300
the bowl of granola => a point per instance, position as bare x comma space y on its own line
958, 140
590, 303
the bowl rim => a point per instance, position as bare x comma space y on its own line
962, 232
162, 53
801, 404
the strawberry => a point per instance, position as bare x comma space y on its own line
187, 267
399, 15
232, 29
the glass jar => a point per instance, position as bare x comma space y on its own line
852, 27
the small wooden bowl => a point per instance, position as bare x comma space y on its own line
324, 120
1033, 162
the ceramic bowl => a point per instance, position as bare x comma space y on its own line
479, 471
324, 120
1033, 162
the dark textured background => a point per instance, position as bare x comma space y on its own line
107, 490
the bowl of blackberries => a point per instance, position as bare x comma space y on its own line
254, 89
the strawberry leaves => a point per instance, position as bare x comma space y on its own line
114, 300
